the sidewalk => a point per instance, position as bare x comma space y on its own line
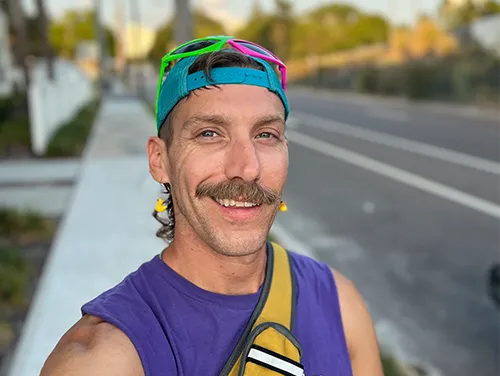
43, 186
107, 233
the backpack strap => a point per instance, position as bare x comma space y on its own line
267, 342
280, 305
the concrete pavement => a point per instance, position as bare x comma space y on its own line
107, 233
43, 186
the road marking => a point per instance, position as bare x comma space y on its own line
401, 143
400, 175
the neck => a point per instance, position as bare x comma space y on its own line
214, 272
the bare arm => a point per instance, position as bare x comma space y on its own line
358, 326
93, 347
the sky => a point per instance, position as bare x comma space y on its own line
233, 12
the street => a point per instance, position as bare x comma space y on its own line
403, 200
417, 250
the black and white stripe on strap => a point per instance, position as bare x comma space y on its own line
274, 361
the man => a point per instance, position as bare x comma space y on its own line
222, 156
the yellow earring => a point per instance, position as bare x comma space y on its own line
283, 207
160, 207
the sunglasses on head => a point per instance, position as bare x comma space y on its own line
216, 43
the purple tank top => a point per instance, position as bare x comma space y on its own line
179, 329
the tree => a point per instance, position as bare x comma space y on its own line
453, 16
336, 27
17, 20
258, 29
282, 29
42, 28
490, 8
164, 40
75, 27
369, 30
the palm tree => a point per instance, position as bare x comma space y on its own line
42, 25
16, 19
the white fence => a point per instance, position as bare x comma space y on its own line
53, 103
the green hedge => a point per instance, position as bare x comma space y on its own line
70, 140
470, 76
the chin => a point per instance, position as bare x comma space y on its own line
238, 243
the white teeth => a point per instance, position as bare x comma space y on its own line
238, 204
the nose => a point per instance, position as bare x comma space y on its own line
242, 161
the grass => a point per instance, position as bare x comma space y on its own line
15, 134
6, 334
23, 227
391, 366
19, 228
15, 274
14, 123
18, 231
70, 140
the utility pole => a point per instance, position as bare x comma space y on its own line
183, 29
136, 17
42, 25
17, 20
98, 31
119, 33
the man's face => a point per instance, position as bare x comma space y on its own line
227, 166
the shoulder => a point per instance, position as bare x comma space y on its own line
309, 269
358, 326
330, 285
93, 347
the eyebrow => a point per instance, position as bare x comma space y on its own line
203, 118
224, 121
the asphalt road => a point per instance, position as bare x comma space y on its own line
404, 200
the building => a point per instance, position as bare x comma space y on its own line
138, 41
87, 58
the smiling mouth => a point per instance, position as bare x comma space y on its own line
235, 204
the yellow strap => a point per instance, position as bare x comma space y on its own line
278, 307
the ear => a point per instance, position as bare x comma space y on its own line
158, 159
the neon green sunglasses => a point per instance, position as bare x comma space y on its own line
201, 46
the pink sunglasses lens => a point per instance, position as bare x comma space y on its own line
258, 49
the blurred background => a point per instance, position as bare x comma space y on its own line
394, 160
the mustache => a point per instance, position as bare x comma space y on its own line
234, 189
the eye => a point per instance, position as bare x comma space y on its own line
266, 135
208, 134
